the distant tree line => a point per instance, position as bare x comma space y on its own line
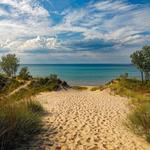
141, 59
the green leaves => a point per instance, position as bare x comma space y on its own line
142, 61
24, 73
9, 64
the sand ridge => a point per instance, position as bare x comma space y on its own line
85, 120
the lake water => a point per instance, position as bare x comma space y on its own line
83, 74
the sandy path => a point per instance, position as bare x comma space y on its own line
86, 121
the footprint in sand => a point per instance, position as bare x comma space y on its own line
86, 121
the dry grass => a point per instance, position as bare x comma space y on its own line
139, 94
80, 88
100, 88
19, 122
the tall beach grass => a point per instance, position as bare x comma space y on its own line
19, 122
139, 95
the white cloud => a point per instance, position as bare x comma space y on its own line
24, 46
29, 26
109, 20
25, 18
110, 5
40, 42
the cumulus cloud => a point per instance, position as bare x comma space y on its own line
32, 45
111, 26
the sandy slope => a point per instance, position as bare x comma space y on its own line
85, 121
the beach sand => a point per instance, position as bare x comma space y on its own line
85, 120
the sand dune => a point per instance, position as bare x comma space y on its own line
85, 120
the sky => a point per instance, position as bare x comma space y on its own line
73, 31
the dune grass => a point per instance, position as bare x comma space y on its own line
140, 119
80, 88
7, 85
100, 88
38, 85
139, 93
20, 117
19, 122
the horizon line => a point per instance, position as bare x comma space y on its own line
78, 64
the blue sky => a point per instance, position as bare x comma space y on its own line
74, 31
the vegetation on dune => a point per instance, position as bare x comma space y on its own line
9, 64
141, 59
24, 74
37, 85
11, 85
80, 88
20, 117
140, 119
138, 91
19, 122
100, 88
139, 94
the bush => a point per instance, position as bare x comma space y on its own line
39, 85
101, 87
24, 74
3, 81
18, 123
50, 83
11, 85
79, 88
140, 120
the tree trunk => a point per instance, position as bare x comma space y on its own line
142, 76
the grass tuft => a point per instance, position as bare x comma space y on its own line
139, 93
100, 88
80, 88
19, 122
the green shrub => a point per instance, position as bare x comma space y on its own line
51, 83
19, 122
101, 87
24, 74
11, 85
79, 88
3, 81
131, 88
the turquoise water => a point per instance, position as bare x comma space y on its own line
83, 74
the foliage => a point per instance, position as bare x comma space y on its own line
3, 81
79, 88
10, 85
24, 74
9, 64
18, 123
101, 87
50, 83
139, 94
142, 61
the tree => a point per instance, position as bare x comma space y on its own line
142, 60
9, 64
146, 53
24, 73
137, 59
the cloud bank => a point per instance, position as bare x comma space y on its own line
94, 31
